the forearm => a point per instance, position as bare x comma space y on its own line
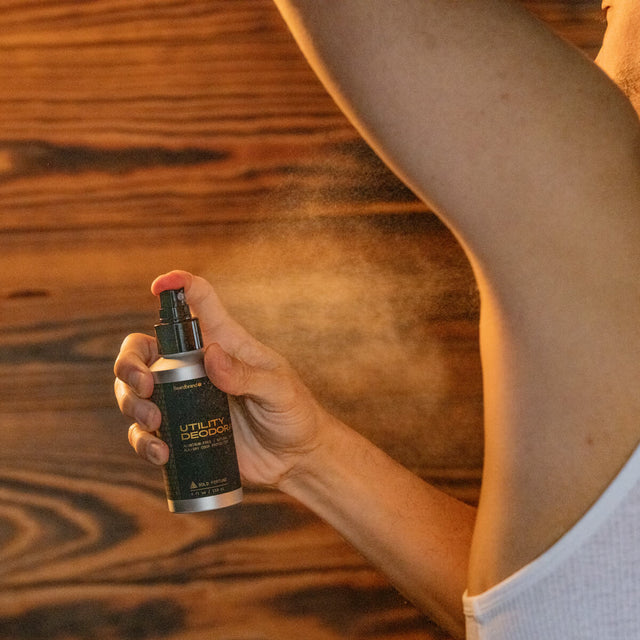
418, 536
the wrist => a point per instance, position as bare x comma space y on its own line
319, 463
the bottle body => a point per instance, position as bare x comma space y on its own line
202, 472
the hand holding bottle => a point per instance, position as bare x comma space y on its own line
285, 439
276, 419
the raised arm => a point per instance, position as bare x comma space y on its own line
529, 152
493, 120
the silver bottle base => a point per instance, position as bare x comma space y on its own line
206, 503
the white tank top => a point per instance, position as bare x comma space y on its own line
585, 587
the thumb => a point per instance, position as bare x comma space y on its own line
216, 323
238, 378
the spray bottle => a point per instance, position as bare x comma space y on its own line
202, 471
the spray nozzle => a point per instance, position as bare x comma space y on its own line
177, 330
173, 306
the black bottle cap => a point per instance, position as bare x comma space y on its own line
177, 331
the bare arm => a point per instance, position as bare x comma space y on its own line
417, 535
498, 125
476, 105
530, 154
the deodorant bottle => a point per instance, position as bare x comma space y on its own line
202, 471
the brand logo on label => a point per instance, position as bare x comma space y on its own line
187, 385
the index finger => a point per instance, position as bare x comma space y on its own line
216, 323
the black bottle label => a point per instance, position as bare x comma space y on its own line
196, 425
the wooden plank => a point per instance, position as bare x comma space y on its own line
171, 113
113, 116
49, 187
87, 544
89, 550
314, 606
578, 21
379, 315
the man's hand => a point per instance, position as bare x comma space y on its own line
276, 420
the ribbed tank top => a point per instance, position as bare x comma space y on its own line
585, 587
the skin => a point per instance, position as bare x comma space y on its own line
529, 153
619, 55
286, 440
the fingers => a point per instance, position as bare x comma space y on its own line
139, 409
132, 387
216, 323
148, 446
137, 352
236, 362
201, 298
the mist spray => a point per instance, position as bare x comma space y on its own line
202, 471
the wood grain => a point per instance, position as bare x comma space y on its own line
138, 137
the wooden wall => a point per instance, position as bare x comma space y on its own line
137, 137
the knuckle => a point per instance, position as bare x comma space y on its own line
123, 366
127, 402
136, 349
132, 436
245, 377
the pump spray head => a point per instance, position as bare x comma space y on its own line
177, 330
